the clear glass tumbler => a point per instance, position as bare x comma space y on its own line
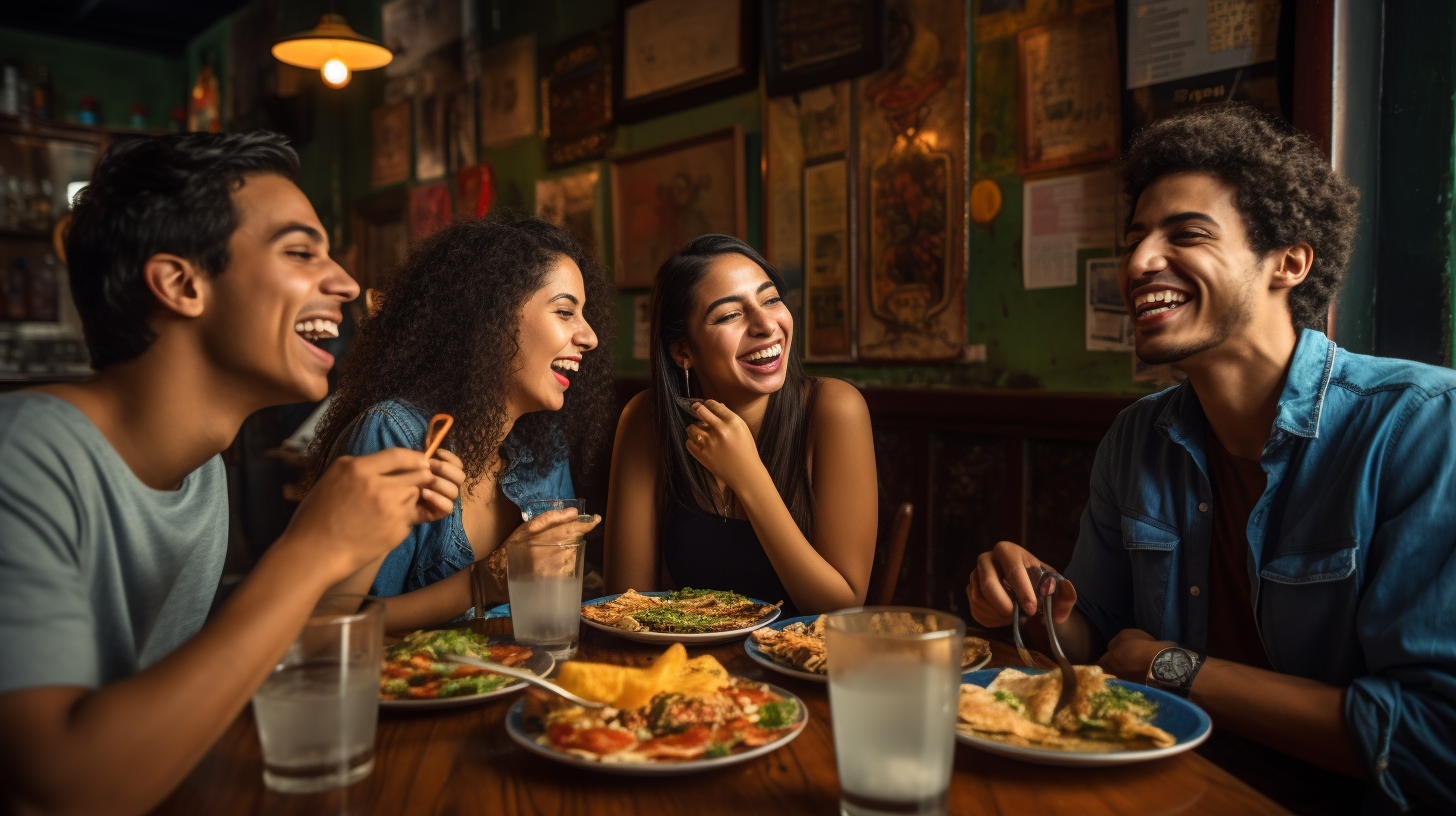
544, 582
894, 680
317, 711
533, 509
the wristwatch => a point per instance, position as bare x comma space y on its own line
1174, 668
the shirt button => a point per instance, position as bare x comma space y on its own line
1194, 591
1203, 507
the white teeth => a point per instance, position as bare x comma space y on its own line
772, 351
317, 329
566, 365
1161, 296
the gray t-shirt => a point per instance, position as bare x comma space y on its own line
100, 575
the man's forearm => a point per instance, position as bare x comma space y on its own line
1303, 718
139, 737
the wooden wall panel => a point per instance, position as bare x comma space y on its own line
968, 497
1057, 485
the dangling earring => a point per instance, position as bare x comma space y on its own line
687, 384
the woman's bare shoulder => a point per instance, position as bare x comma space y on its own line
636, 426
839, 403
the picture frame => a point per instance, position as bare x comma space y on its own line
430, 136
508, 93
668, 195
809, 43
570, 202
429, 209
828, 244
1068, 94
380, 230
390, 146
675, 54
576, 100
475, 190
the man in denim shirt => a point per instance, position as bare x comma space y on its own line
1276, 537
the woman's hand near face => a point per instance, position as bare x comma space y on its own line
723, 444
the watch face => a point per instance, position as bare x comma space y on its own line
1173, 666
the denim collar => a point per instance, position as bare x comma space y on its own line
1300, 403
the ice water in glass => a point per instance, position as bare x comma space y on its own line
533, 509
894, 680
317, 711
544, 582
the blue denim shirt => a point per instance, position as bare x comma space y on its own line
1352, 564
434, 551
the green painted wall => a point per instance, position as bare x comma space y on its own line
117, 77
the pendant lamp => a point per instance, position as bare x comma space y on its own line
333, 48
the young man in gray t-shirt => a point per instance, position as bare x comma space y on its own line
202, 277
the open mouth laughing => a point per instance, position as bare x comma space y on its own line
1147, 304
764, 359
564, 368
317, 329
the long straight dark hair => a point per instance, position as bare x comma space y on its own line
783, 439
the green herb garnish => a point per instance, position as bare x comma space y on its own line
1119, 698
665, 619
718, 749
777, 715
1006, 698
724, 596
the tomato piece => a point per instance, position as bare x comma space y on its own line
752, 696
685, 745
595, 740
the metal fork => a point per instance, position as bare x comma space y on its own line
1045, 582
522, 674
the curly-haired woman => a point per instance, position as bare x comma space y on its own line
495, 322
768, 488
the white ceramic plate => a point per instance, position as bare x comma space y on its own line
516, 728
540, 662
1179, 717
677, 637
757, 654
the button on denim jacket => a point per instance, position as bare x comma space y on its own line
1352, 564
434, 551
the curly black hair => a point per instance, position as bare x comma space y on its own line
447, 338
1287, 192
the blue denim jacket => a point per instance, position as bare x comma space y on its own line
434, 551
1352, 565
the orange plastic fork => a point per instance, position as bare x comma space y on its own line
435, 434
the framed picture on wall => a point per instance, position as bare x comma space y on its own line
571, 202
460, 127
828, 293
380, 231
664, 197
674, 54
429, 209
1067, 81
390, 155
430, 136
475, 189
576, 99
808, 43
508, 92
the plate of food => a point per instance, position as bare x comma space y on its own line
684, 615
1009, 712
795, 646
677, 716
414, 674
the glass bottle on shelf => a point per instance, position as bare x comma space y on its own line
88, 113
9, 206
44, 103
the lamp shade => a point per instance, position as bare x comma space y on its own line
332, 38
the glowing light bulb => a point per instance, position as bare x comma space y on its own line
335, 73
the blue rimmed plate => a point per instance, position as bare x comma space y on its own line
751, 647
1186, 722
678, 637
540, 662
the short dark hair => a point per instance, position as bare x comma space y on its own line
149, 195
1287, 192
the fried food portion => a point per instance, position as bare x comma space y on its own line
801, 646
627, 687
1019, 708
687, 611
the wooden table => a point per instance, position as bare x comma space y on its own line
460, 761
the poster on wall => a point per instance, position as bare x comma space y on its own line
460, 129
1067, 83
1060, 216
429, 209
571, 202
1108, 326
1174, 39
664, 197
429, 136
674, 54
508, 93
390, 155
810, 43
814, 124
415, 29
828, 308
911, 173
576, 100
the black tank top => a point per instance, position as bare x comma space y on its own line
708, 551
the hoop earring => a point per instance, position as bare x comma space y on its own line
687, 384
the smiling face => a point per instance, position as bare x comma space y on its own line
739, 332
1189, 278
553, 335
279, 294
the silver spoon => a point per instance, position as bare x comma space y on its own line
522, 674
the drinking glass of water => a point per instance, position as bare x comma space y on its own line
317, 711
894, 681
544, 582
533, 509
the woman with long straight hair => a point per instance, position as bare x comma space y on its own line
736, 470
